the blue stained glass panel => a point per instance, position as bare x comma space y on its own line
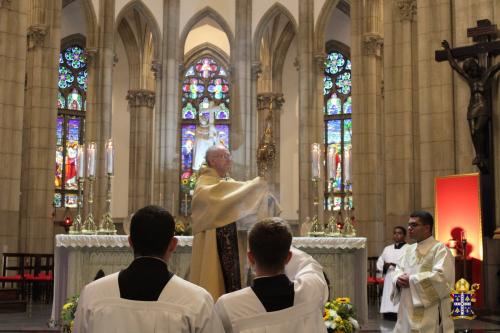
70, 200
57, 200
223, 134
348, 65
223, 112
82, 80
65, 77
188, 179
189, 112
218, 88
190, 71
75, 57
327, 85
60, 58
59, 130
61, 102
348, 105
334, 63
343, 83
192, 88
74, 101
347, 131
333, 131
333, 105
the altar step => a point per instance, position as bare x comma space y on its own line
9, 301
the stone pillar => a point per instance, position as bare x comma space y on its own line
367, 119
141, 103
244, 136
435, 89
168, 164
319, 127
157, 195
39, 120
307, 133
99, 98
13, 25
400, 106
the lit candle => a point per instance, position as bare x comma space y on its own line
110, 157
315, 159
80, 161
91, 154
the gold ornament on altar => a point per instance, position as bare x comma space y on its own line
266, 153
462, 298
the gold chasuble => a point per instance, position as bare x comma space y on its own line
218, 202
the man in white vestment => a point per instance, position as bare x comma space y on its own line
386, 264
146, 296
423, 280
276, 286
218, 202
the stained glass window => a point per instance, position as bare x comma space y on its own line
205, 119
338, 125
71, 105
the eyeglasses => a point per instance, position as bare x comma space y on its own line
413, 225
225, 156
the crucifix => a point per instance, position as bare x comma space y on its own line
476, 69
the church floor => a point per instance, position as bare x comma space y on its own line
36, 321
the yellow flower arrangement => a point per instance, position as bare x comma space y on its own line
68, 314
339, 316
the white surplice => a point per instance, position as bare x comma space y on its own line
425, 305
310, 288
389, 255
181, 308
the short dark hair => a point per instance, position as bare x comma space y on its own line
403, 229
151, 230
269, 240
425, 217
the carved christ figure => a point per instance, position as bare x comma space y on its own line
479, 109
206, 135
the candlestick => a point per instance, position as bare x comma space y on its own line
315, 160
80, 162
89, 226
91, 155
107, 227
76, 228
110, 156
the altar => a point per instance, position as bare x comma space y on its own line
77, 258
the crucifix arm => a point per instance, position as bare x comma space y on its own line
490, 72
452, 60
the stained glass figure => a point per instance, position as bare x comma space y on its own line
338, 129
205, 117
71, 101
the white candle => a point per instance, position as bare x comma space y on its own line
347, 165
91, 154
315, 159
80, 161
331, 161
110, 157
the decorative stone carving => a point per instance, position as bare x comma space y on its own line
266, 100
36, 35
256, 69
91, 55
156, 68
372, 44
320, 62
141, 97
115, 59
296, 63
407, 9
5, 4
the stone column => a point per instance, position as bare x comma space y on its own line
400, 110
13, 25
244, 136
435, 89
367, 119
99, 98
319, 126
39, 122
141, 103
168, 163
157, 195
307, 133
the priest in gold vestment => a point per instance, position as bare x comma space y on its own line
218, 202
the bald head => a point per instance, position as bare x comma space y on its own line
218, 157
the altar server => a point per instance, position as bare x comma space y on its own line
423, 280
282, 298
146, 296
386, 264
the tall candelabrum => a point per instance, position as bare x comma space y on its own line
107, 227
89, 226
77, 226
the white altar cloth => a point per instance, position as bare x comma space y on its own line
77, 258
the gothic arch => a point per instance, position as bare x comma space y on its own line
207, 49
324, 16
271, 13
149, 18
203, 13
130, 44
